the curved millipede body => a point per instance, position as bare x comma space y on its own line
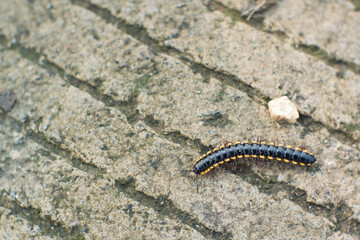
230, 152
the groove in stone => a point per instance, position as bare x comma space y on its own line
47, 225
315, 51
163, 206
139, 33
341, 213
41, 139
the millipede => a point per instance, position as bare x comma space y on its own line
258, 150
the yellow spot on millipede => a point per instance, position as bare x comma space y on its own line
197, 161
208, 152
285, 160
271, 158
238, 142
221, 162
254, 156
289, 146
240, 156
227, 160
263, 142
279, 159
309, 164
246, 142
233, 158
216, 164
254, 141
247, 156
297, 148
294, 162
262, 156
302, 164
272, 143
305, 151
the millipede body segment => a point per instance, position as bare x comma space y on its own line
230, 152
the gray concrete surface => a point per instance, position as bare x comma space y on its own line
113, 98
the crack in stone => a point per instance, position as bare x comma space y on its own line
165, 207
34, 217
139, 33
321, 54
341, 213
312, 50
127, 107
38, 137
162, 206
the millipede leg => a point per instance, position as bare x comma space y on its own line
233, 165
303, 146
197, 183
225, 143
259, 162
276, 142
248, 161
269, 162
260, 140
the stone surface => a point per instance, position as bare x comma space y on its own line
50, 187
223, 43
15, 227
282, 109
93, 148
248, 8
338, 35
7, 100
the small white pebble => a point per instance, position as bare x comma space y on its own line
282, 109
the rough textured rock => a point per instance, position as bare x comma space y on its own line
114, 98
7, 100
338, 35
13, 226
226, 44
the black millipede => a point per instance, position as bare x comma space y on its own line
230, 152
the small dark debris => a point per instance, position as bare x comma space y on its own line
215, 119
129, 210
121, 66
184, 25
181, 5
212, 115
104, 147
7, 100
